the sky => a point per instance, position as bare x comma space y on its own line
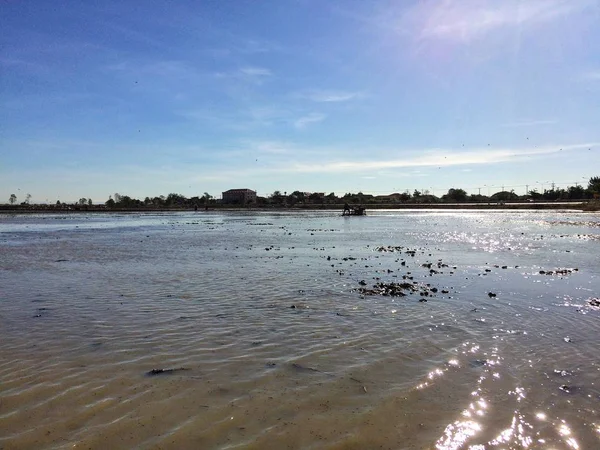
157, 97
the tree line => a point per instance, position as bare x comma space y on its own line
453, 195
299, 198
170, 201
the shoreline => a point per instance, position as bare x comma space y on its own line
566, 207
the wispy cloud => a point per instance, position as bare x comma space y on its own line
438, 158
250, 74
169, 69
469, 19
236, 45
271, 147
256, 71
146, 38
327, 96
309, 119
15, 62
590, 75
241, 119
528, 123
251, 46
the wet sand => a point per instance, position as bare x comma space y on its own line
300, 330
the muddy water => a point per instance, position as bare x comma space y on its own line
281, 348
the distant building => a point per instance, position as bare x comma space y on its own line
395, 197
243, 196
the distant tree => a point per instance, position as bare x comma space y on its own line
456, 195
117, 197
82, 201
57, 202
551, 194
416, 194
207, 197
315, 197
562, 194
12, 199
478, 198
128, 202
296, 197
575, 192
277, 197
535, 195
428, 198
27, 199
89, 202
261, 201
194, 201
176, 200
110, 203
504, 196
594, 186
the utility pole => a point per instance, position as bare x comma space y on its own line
479, 193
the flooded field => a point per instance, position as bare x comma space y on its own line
205, 330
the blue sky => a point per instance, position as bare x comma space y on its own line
148, 98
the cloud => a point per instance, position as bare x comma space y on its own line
271, 147
233, 45
528, 123
466, 20
250, 74
167, 69
16, 62
325, 96
134, 35
256, 71
437, 158
311, 118
590, 75
241, 119
250, 46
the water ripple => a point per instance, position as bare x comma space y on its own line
281, 349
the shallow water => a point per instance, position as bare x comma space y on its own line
282, 349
